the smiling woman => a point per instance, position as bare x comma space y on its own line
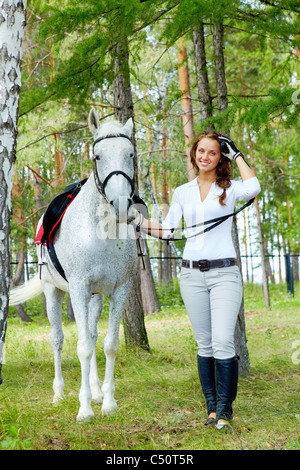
210, 280
206, 157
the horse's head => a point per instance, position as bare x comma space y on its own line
113, 156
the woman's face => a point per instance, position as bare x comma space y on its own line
208, 154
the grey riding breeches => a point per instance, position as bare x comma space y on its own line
212, 300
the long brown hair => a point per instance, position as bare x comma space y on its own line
223, 169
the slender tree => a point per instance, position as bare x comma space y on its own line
186, 104
201, 72
133, 315
240, 331
260, 232
12, 14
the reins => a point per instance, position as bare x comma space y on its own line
101, 188
216, 221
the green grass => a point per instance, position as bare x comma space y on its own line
161, 406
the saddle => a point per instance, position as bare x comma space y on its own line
55, 212
53, 217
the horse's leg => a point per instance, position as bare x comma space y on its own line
80, 297
54, 299
95, 310
111, 346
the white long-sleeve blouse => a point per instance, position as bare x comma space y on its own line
187, 203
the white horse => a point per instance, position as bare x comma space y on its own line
96, 260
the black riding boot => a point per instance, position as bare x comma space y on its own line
226, 383
206, 370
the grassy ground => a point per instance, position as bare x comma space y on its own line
161, 406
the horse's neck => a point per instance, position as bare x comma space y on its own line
89, 193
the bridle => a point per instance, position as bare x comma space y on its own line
101, 185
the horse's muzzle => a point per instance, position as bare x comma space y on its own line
125, 213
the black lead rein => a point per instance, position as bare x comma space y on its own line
217, 221
101, 186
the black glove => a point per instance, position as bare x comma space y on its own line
228, 148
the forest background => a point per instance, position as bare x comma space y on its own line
189, 65
176, 67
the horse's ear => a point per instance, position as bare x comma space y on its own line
128, 127
93, 121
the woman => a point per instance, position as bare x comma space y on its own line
210, 280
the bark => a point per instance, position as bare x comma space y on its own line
220, 67
59, 172
159, 242
201, 72
133, 315
240, 340
186, 106
149, 296
12, 22
260, 234
246, 246
19, 218
166, 264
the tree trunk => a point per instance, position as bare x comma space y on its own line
12, 14
149, 296
260, 234
240, 336
220, 68
240, 340
133, 315
246, 246
59, 172
19, 218
186, 106
201, 71
166, 265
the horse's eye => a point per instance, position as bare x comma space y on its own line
96, 157
131, 155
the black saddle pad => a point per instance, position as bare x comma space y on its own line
56, 209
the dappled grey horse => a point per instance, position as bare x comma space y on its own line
95, 244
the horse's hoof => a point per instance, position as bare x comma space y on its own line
108, 410
97, 397
84, 418
87, 415
57, 399
98, 400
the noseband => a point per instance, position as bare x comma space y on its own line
101, 185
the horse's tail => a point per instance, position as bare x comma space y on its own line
21, 294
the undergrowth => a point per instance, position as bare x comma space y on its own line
161, 405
